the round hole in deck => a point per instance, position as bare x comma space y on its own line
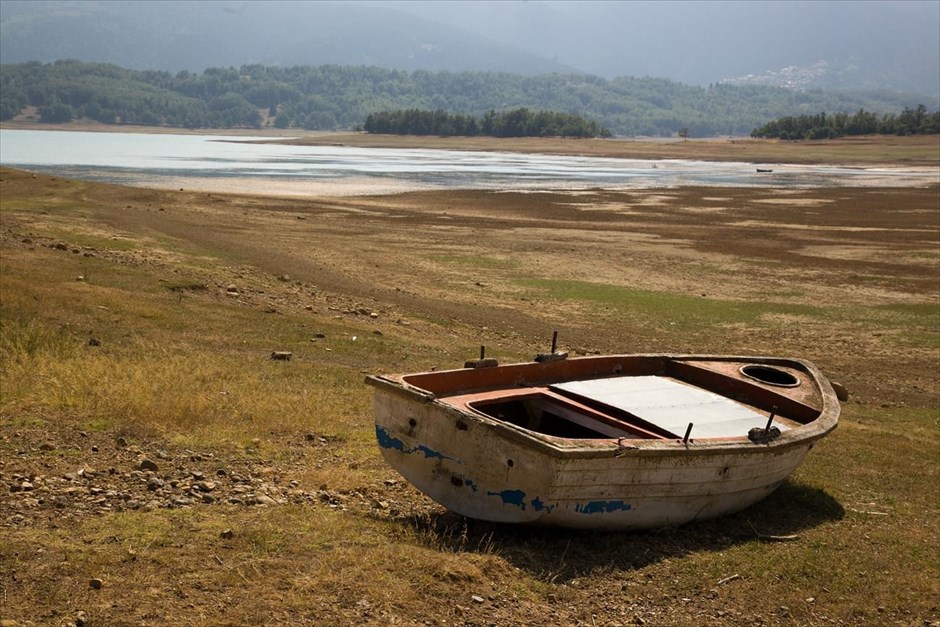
770, 375
455, 480
510, 463
412, 422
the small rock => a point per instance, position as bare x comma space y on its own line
93, 341
47, 446
121, 442
281, 355
147, 464
228, 534
81, 620
477, 599
264, 499
96, 583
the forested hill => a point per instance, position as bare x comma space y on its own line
331, 97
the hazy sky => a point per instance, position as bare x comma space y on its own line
701, 42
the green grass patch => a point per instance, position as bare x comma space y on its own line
474, 261
685, 313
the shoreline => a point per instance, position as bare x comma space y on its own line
868, 151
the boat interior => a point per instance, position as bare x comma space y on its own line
633, 398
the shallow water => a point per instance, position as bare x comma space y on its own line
246, 164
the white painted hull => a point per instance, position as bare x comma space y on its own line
496, 472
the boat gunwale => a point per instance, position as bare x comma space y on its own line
566, 448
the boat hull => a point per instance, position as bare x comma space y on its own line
486, 470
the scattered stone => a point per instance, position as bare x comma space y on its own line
80, 277
281, 355
232, 289
264, 499
147, 464
47, 446
121, 442
319, 336
96, 583
81, 620
842, 393
283, 278
477, 599
93, 341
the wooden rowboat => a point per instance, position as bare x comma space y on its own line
606, 442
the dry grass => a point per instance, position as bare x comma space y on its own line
183, 368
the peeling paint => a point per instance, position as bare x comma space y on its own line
388, 441
511, 497
602, 507
540, 506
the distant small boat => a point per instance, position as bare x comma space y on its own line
603, 442
763, 171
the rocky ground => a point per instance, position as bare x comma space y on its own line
50, 478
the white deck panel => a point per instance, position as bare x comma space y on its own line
670, 405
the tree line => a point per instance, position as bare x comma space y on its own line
519, 122
911, 121
340, 97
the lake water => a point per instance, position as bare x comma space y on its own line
220, 163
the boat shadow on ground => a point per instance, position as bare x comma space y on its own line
564, 554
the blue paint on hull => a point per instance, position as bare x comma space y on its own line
511, 497
602, 507
386, 440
